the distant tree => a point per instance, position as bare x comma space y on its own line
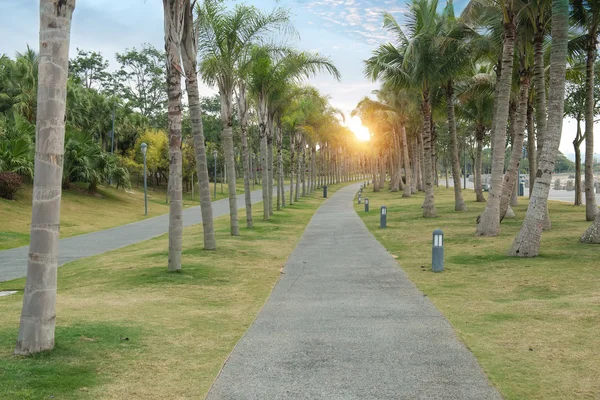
89, 69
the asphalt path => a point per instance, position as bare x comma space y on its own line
344, 322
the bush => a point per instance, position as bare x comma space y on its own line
10, 183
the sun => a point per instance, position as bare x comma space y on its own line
361, 131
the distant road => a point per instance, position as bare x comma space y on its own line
13, 262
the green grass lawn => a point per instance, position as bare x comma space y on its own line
533, 324
82, 212
128, 329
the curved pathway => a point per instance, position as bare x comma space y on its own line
13, 262
344, 322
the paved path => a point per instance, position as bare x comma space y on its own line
344, 322
13, 262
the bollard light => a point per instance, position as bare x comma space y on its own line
324, 192
383, 217
359, 198
366, 204
437, 251
365, 185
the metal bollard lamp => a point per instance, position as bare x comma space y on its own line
366, 204
437, 251
383, 217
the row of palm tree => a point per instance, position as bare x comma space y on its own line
240, 56
497, 74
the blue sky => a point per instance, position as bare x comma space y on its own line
345, 30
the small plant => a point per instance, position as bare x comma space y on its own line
10, 183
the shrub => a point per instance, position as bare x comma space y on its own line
10, 183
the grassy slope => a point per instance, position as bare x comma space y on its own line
128, 329
532, 323
84, 213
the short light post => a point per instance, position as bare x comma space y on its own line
215, 173
383, 217
144, 148
365, 184
325, 191
366, 204
359, 198
437, 251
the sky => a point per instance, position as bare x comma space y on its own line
344, 30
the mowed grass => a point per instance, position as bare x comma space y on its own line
128, 329
82, 212
533, 324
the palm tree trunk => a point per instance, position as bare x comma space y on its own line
429, 202
408, 186
531, 156
298, 167
280, 187
591, 207
541, 115
383, 173
173, 10
489, 223
292, 165
459, 202
511, 175
527, 242
189, 57
577, 147
270, 163
303, 171
227, 138
243, 119
479, 133
38, 316
375, 173
263, 121
314, 167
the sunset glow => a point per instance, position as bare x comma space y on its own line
356, 126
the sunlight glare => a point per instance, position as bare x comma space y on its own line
361, 131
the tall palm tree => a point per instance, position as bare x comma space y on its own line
527, 242
189, 55
489, 221
414, 63
269, 75
38, 316
586, 13
224, 40
173, 11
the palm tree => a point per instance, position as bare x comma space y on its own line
173, 11
414, 63
38, 316
189, 52
224, 40
489, 221
586, 14
527, 242
268, 77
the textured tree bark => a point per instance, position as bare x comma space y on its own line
511, 175
292, 164
383, 173
303, 171
479, 133
408, 187
38, 316
429, 202
541, 116
489, 223
262, 124
298, 165
459, 202
527, 242
280, 188
532, 154
243, 120
189, 57
227, 137
577, 147
173, 11
591, 207
270, 162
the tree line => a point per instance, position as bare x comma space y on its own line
503, 74
265, 115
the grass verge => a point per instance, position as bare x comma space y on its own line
128, 329
82, 212
531, 323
